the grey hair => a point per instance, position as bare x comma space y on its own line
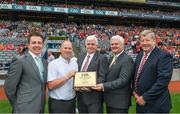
146, 32
120, 38
91, 37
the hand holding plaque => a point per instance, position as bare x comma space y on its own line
83, 81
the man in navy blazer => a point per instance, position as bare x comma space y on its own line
153, 73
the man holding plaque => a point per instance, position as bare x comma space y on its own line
89, 100
60, 81
117, 86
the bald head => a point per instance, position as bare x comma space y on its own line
66, 49
65, 42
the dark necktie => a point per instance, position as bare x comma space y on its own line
86, 63
140, 69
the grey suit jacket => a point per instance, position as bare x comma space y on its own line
23, 86
98, 64
117, 86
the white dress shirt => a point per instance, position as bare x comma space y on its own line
57, 69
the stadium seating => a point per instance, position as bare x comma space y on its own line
13, 33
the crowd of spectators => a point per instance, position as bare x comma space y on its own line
167, 38
13, 33
106, 7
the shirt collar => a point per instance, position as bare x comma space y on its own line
64, 60
91, 55
149, 52
33, 55
117, 55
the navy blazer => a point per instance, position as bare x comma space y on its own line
154, 79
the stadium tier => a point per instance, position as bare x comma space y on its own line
76, 20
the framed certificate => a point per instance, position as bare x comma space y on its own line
85, 79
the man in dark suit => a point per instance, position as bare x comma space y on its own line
26, 81
88, 100
117, 85
153, 73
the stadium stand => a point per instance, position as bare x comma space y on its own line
77, 25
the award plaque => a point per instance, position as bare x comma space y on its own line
84, 79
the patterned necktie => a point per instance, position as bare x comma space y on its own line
140, 69
40, 67
86, 63
113, 60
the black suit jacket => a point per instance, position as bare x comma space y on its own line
154, 79
117, 86
99, 64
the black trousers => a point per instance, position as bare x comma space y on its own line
116, 110
89, 108
62, 106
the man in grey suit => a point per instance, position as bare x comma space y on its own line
117, 85
88, 100
26, 81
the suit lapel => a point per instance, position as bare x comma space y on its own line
116, 61
138, 61
110, 60
45, 71
81, 61
150, 59
32, 63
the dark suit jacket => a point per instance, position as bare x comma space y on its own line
117, 86
23, 86
98, 64
154, 79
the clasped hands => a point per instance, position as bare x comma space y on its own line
139, 99
98, 87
